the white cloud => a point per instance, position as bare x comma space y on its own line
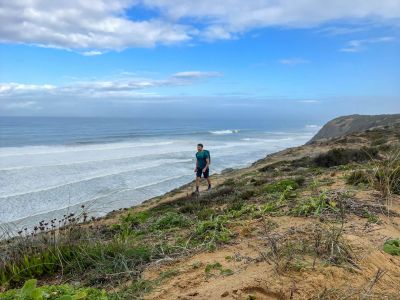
231, 17
121, 87
195, 75
343, 30
92, 53
217, 32
293, 61
18, 88
75, 24
359, 45
107, 25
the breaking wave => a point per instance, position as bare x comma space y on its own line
227, 131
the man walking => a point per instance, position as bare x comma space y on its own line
202, 166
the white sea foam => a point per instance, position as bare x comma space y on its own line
313, 126
50, 177
46, 181
35, 150
223, 132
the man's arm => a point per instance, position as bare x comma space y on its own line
207, 163
195, 169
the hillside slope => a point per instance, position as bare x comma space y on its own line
308, 222
354, 123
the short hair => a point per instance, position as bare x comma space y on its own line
201, 145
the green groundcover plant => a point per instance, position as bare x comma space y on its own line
392, 247
30, 291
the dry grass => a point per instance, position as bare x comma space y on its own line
385, 176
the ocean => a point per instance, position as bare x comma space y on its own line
53, 166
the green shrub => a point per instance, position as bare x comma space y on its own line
226, 272
269, 207
229, 182
213, 231
314, 206
205, 213
217, 267
136, 218
90, 261
387, 147
392, 247
300, 180
214, 266
247, 210
171, 220
130, 223
52, 292
387, 176
45, 262
379, 141
357, 177
191, 207
95, 262
220, 192
281, 186
341, 156
372, 218
236, 205
134, 291
246, 194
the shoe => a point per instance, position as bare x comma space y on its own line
209, 188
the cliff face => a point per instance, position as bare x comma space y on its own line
354, 123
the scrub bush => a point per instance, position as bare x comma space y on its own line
341, 156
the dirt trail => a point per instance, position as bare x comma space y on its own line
255, 278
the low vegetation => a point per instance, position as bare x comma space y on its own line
211, 269
342, 156
392, 247
387, 176
30, 291
358, 177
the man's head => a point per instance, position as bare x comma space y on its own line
199, 147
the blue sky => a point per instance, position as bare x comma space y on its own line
308, 59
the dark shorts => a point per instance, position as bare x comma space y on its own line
205, 174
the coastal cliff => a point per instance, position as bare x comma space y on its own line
319, 221
354, 123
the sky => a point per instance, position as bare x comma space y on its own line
307, 59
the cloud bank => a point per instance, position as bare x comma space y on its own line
121, 87
95, 26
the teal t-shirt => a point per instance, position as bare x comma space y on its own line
201, 159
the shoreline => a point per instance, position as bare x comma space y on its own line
100, 210
181, 190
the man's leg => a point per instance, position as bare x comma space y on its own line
198, 178
209, 182
206, 176
197, 183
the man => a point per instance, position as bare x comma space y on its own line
202, 166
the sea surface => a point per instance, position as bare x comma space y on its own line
51, 166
